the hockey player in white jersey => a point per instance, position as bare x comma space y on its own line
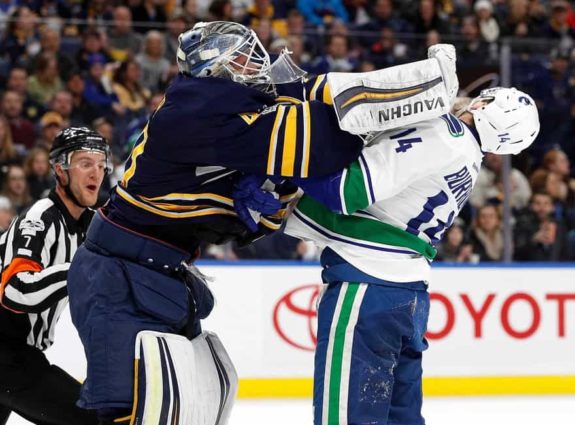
378, 222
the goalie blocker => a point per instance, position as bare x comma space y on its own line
183, 382
397, 96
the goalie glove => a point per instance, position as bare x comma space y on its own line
446, 56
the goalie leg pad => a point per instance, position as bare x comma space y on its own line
183, 382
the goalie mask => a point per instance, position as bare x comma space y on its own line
507, 123
230, 50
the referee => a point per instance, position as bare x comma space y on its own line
35, 253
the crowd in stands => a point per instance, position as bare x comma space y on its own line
106, 63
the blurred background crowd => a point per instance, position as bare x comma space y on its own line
106, 63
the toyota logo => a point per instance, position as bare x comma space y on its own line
295, 317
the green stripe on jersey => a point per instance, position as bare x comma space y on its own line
337, 354
363, 229
354, 190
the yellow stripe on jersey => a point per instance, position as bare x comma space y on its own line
249, 118
274, 140
136, 152
313, 93
290, 143
270, 224
190, 197
203, 212
288, 99
306, 140
327, 99
135, 403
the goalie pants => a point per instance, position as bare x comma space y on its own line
369, 348
36, 390
121, 283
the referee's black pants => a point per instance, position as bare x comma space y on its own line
36, 390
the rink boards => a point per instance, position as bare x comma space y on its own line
492, 330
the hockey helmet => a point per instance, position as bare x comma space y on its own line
73, 139
508, 121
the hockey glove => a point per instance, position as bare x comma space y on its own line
251, 201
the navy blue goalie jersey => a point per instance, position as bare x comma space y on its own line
207, 132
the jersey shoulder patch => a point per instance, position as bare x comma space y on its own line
29, 226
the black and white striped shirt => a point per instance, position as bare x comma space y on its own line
35, 254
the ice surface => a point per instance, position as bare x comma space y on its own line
437, 411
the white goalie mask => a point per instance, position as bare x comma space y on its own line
507, 123
230, 50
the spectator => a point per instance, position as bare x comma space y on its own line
45, 82
15, 188
176, 25
131, 95
124, 41
62, 103
473, 52
264, 9
97, 89
454, 248
7, 9
297, 27
265, 33
23, 133
190, 13
557, 25
489, 186
220, 10
428, 18
8, 154
50, 42
38, 172
97, 12
148, 15
92, 43
563, 199
488, 26
322, 12
17, 81
517, 22
558, 162
383, 16
387, 51
552, 89
358, 12
539, 236
50, 124
155, 67
7, 214
432, 38
337, 58
21, 39
83, 112
486, 234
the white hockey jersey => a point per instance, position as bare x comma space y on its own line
398, 199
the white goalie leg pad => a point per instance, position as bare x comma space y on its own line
390, 98
182, 382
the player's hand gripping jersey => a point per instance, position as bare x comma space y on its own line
396, 200
204, 135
